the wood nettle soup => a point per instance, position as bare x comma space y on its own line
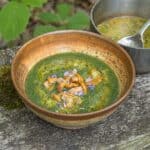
119, 27
72, 83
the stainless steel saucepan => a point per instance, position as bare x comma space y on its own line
104, 9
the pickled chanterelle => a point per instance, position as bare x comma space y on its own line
72, 86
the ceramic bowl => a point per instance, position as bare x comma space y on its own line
72, 41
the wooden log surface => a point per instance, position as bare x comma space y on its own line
126, 129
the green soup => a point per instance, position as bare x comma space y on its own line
102, 92
119, 27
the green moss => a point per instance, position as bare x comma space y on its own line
9, 98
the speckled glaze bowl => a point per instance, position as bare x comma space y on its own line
72, 41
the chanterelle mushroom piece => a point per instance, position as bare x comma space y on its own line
94, 79
70, 100
52, 80
78, 91
71, 85
61, 86
74, 79
56, 97
82, 83
48, 85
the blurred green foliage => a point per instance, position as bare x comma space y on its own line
64, 17
13, 20
15, 15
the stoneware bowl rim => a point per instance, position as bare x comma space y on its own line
74, 116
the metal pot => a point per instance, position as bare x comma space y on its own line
104, 9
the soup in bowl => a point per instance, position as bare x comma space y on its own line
72, 83
72, 78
